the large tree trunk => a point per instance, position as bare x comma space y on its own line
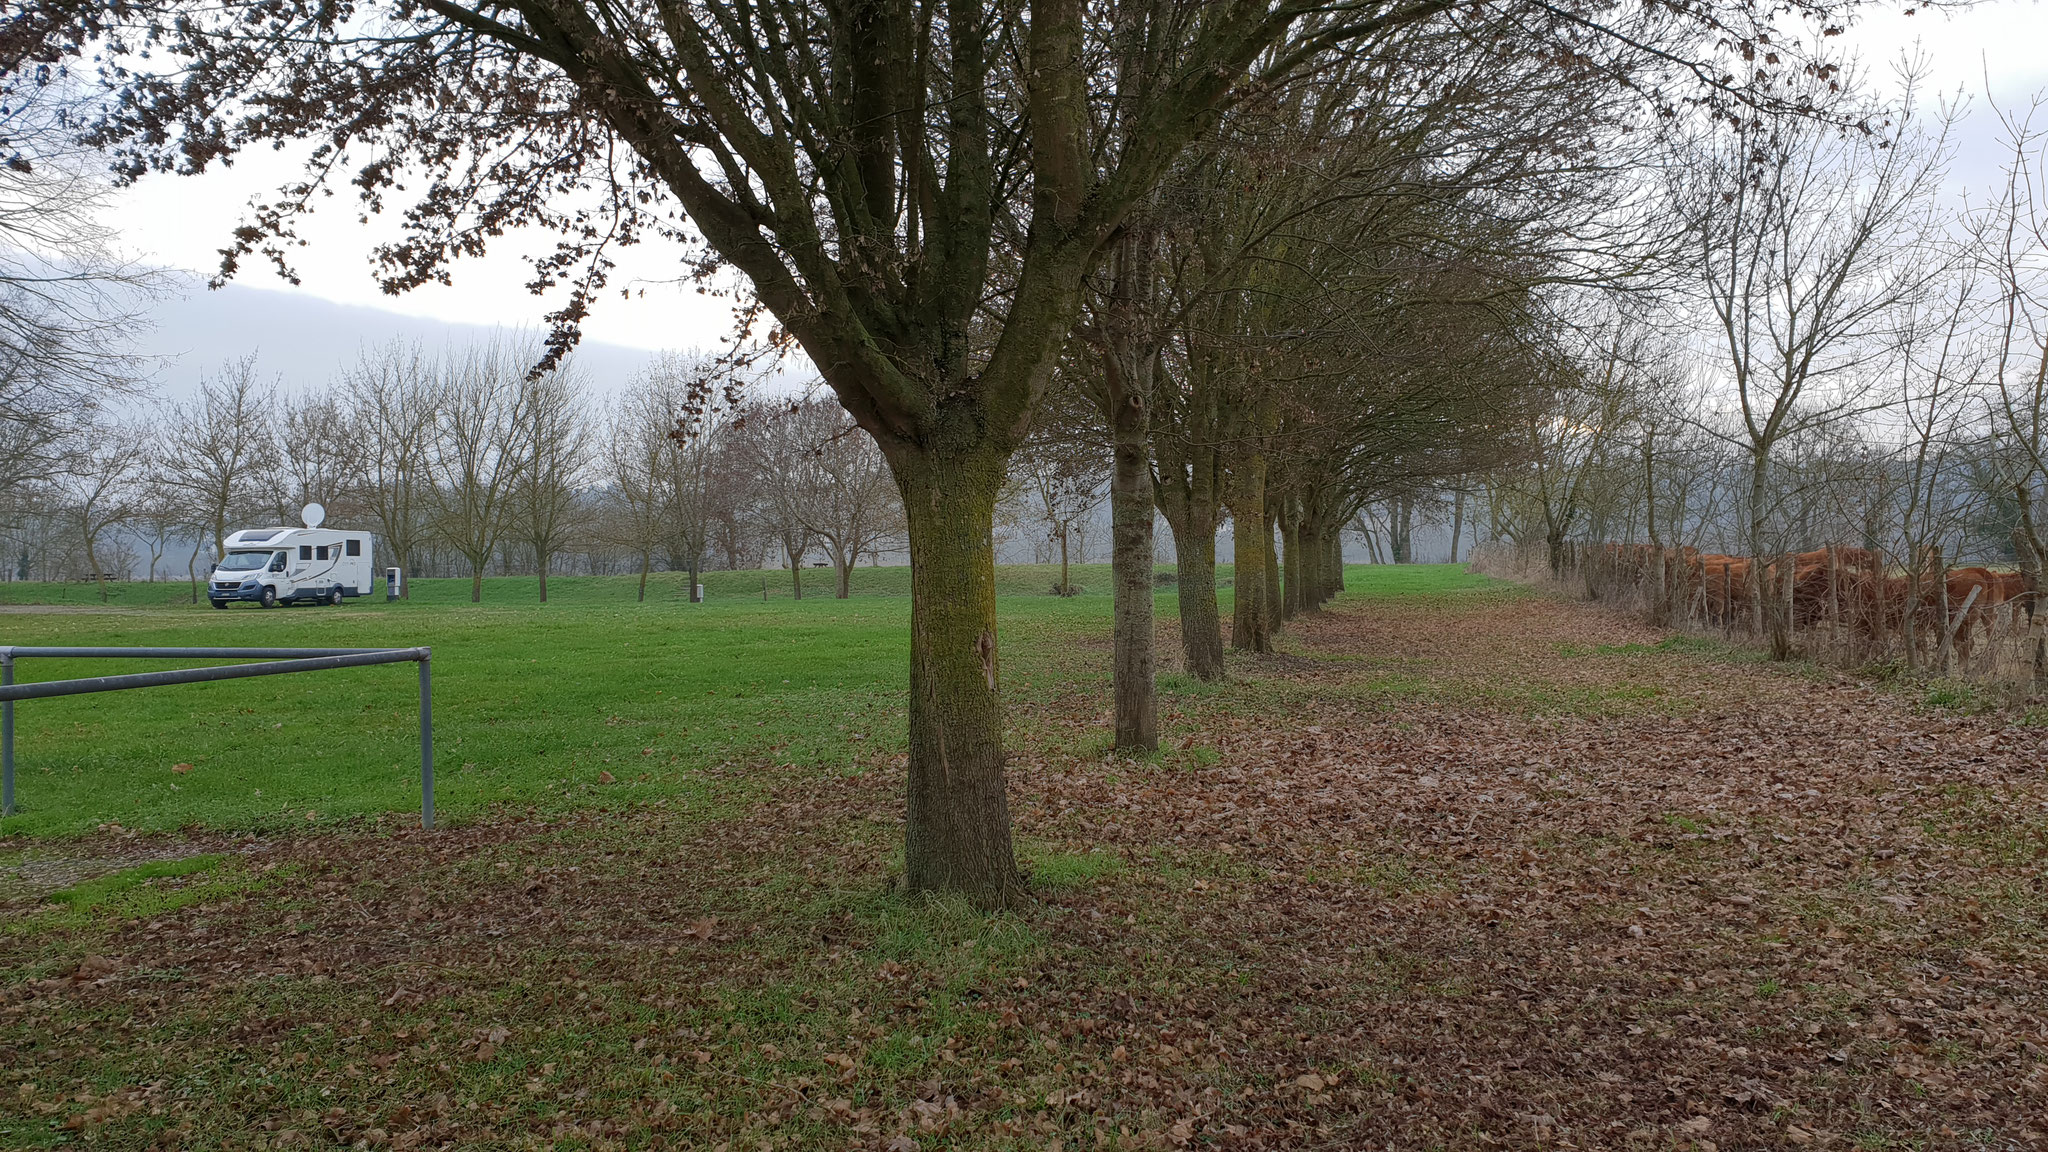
1273, 597
957, 838
1201, 616
1294, 574
92, 563
2032, 557
476, 581
646, 563
1250, 630
541, 560
1130, 562
192, 569
844, 564
1304, 564
1457, 521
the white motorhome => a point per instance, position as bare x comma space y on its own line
272, 566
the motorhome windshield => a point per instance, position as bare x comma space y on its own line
243, 561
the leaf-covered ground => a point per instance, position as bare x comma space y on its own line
1475, 871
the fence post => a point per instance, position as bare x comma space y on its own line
1949, 627
7, 739
1943, 648
1791, 599
1834, 598
1728, 599
426, 737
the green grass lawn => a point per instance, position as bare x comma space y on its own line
1462, 866
719, 587
585, 701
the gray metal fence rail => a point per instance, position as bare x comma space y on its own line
274, 662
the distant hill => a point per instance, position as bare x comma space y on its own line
305, 340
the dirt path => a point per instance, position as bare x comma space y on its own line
1477, 872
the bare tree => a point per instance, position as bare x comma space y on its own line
215, 451
636, 441
1806, 240
394, 394
100, 487
1068, 479
161, 519
319, 458
1575, 445
682, 391
1936, 366
546, 495
2011, 252
69, 302
483, 445
825, 479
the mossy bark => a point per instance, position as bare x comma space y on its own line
1274, 605
1130, 505
1201, 614
1250, 622
957, 836
1294, 568
1189, 491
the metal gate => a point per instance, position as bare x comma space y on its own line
274, 662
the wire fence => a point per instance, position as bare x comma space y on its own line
1836, 603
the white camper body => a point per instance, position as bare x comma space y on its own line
272, 566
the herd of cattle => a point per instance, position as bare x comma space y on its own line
1849, 589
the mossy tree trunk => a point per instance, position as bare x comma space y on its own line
1250, 621
1128, 342
958, 833
1189, 492
1294, 568
1272, 600
1131, 512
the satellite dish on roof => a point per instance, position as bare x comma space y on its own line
313, 514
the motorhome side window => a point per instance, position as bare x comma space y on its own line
305, 551
320, 552
355, 547
277, 562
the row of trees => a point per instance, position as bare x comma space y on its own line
1844, 358
464, 462
472, 457
1276, 259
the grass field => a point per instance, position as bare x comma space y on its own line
1460, 867
662, 587
535, 705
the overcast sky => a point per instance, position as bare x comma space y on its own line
183, 222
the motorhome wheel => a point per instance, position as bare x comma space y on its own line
269, 597
334, 597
